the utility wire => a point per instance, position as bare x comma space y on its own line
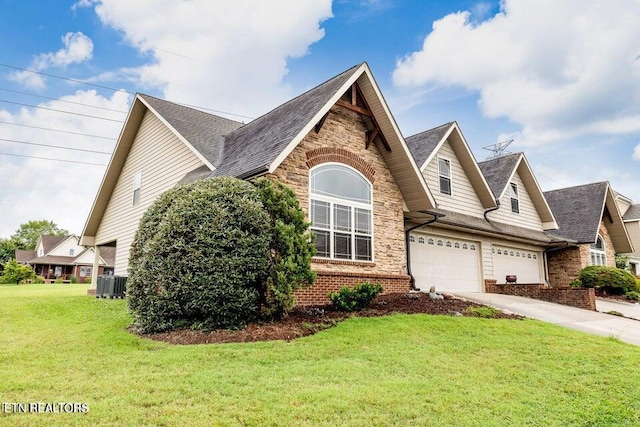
61, 100
120, 90
53, 160
55, 146
61, 111
57, 130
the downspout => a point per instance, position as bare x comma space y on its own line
412, 280
491, 210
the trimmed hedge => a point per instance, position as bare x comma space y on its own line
610, 279
357, 298
199, 256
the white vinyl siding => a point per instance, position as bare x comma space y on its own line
527, 216
463, 197
65, 248
165, 160
633, 228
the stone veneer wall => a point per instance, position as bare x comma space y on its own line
565, 265
579, 297
342, 139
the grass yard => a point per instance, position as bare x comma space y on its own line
58, 345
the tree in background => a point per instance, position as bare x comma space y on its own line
28, 233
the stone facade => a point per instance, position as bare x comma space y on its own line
342, 139
581, 298
565, 264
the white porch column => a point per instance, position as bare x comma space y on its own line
94, 271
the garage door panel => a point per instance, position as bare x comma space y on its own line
525, 265
451, 265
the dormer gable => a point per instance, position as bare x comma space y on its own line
521, 199
451, 171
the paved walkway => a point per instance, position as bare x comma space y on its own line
593, 322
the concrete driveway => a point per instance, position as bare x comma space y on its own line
592, 322
631, 310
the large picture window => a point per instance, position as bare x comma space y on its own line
341, 213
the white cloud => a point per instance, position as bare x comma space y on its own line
81, 3
559, 69
636, 153
207, 51
61, 192
77, 48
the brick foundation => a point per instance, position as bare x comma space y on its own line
581, 298
328, 281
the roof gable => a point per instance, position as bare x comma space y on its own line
501, 171
633, 213
579, 211
426, 145
49, 243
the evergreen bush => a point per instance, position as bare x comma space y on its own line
357, 298
199, 257
609, 279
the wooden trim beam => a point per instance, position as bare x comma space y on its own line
354, 94
376, 126
321, 122
371, 135
355, 108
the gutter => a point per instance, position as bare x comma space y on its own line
254, 173
412, 280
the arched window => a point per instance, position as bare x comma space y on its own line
341, 212
421, 240
598, 255
430, 242
412, 239
448, 244
456, 245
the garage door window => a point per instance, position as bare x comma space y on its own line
341, 213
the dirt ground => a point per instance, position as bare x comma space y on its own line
309, 320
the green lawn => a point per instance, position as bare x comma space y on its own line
58, 345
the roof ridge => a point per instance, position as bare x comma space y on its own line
431, 130
577, 186
144, 95
517, 153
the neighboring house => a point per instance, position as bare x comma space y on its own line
631, 217
60, 257
494, 217
336, 145
589, 215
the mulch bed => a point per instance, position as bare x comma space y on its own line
306, 321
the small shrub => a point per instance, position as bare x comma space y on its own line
87, 280
615, 313
58, 280
357, 298
73, 279
633, 295
484, 312
38, 279
575, 284
609, 279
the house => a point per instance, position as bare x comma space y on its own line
631, 217
61, 257
589, 216
337, 146
492, 222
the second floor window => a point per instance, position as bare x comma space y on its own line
444, 175
515, 201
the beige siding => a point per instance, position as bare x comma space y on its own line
63, 249
633, 228
527, 217
463, 197
163, 160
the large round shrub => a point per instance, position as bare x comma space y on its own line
199, 256
610, 279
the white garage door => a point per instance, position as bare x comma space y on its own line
451, 265
525, 265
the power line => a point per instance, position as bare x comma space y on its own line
60, 111
53, 160
58, 130
121, 90
55, 146
64, 78
61, 100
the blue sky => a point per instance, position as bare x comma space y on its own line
564, 85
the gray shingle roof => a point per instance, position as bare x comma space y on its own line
256, 145
497, 171
50, 242
578, 210
480, 224
203, 130
23, 256
422, 144
632, 213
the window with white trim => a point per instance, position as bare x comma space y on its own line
444, 175
598, 255
137, 185
515, 200
341, 212
85, 271
71, 252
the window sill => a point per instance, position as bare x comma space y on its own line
341, 262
